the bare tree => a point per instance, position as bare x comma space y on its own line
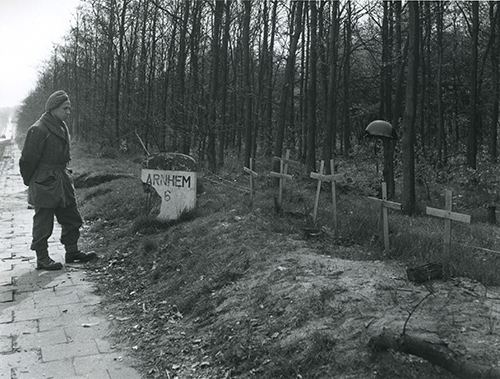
287, 89
408, 149
474, 119
331, 115
495, 31
247, 80
312, 93
347, 79
386, 95
119, 65
442, 146
214, 83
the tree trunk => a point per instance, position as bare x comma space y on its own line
108, 73
347, 80
322, 72
214, 82
180, 122
151, 81
269, 82
386, 96
223, 88
495, 28
442, 147
119, 63
141, 78
287, 90
247, 120
313, 69
303, 91
196, 91
408, 148
474, 119
402, 55
331, 115
424, 118
76, 102
385, 72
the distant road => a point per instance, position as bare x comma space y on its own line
7, 127
6, 131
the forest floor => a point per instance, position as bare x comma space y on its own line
235, 290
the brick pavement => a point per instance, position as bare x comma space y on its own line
50, 322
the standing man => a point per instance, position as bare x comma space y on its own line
43, 166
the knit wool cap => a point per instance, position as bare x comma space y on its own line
55, 100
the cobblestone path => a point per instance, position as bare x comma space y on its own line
50, 323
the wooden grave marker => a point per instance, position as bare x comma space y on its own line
282, 175
448, 216
253, 174
320, 177
384, 205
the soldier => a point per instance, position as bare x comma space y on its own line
43, 166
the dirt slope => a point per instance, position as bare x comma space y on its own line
240, 292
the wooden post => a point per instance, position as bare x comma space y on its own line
334, 197
284, 161
320, 177
318, 190
385, 219
384, 205
283, 170
448, 216
448, 203
253, 174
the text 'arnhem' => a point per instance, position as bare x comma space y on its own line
168, 180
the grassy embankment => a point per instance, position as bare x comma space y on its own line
414, 240
221, 262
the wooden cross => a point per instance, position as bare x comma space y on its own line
253, 174
448, 216
284, 161
384, 205
320, 177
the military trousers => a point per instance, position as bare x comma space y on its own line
43, 225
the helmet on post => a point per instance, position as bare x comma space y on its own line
380, 128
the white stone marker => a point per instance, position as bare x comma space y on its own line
177, 190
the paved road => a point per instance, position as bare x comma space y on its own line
50, 322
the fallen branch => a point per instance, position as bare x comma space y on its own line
435, 353
413, 310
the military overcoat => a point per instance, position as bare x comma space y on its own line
44, 161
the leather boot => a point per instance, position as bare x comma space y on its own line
44, 262
79, 257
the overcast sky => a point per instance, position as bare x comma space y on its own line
28, 31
